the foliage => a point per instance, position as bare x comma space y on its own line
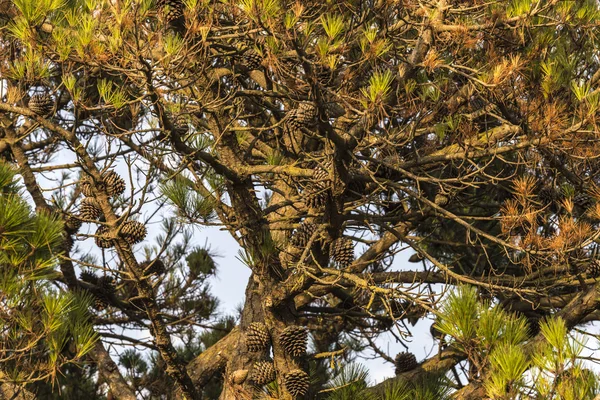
352, 383
42, 329
493, 349
333, 141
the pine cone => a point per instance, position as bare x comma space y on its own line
441, 199
325, 76
317, 192
583, 200
101, 238
174, 16
99, 304
296, 382
322, 172
251, 60
115, 185
72, 223
68, 243
405, 362
155, 266
547, 195
41, 104
106, 285
89, 277
180, 125
133, 232
106, 289
593, 269
294, 339
341, 252
303, 234
172, 11
316, 197
86, 187
90, 209
263, 373
306, 114
334, 110
257, 337
533, 325
292, 121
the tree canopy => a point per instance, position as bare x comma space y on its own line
330, 139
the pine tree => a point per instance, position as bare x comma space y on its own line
331, 140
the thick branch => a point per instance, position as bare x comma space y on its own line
438, 364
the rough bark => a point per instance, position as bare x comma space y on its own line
13, 392
214, 359
235, 352
110, 373
438, 364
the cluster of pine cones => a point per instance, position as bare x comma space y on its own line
131, 232
304, 119
341, 250
293, 340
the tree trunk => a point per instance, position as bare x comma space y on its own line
109, 372
237, 355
